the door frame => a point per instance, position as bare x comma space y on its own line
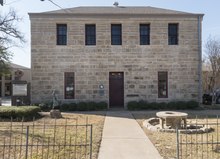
123, 96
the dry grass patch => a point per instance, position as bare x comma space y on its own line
166, 142
63, 133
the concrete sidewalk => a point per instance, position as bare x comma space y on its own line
123, 138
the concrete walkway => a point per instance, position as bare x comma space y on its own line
123, 138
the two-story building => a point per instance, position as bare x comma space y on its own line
116, 54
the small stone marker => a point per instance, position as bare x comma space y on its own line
55, 113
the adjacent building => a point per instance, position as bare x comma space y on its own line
116, 54
22, 72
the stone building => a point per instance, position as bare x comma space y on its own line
116, 54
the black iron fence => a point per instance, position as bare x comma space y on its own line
202, 142
44, 141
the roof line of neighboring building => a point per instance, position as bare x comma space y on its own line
16, 66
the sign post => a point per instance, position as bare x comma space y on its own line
20, 93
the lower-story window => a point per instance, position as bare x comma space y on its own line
69, 80
162, 85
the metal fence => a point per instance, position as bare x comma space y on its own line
200, 145
47, 140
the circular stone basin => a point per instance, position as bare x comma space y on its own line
171, 114
168, 112
153, 124
172, 119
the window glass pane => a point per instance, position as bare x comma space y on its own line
144, 34
173, 29
162, 85
61, 34
62, 30
173, 34
90, 34
69, 85
116, 34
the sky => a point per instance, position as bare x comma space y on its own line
210, 27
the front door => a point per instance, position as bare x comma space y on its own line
116, 89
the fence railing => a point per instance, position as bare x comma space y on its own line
202, 144
44, 141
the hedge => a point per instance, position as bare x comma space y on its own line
173, 105
81, 106
14, 112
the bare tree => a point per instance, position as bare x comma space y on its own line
205, 76
4, 59
10, 36
212, 50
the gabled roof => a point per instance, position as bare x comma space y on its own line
118, 10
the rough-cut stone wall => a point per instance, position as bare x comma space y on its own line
92, 64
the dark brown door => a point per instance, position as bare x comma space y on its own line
116, 89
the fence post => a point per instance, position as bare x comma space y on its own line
91, 143
27, 135
177, 143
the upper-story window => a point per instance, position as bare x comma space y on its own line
173, 34
144, 30
90, 34
61, 34
116, 34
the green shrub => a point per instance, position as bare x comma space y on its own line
142, 105
132, 105
91, 106
101, 106
26, 112
84, 106
68, 107
192, 104
72, 107
65, 106
47, 106
162, 105
181, 105
173, 105
152, 105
